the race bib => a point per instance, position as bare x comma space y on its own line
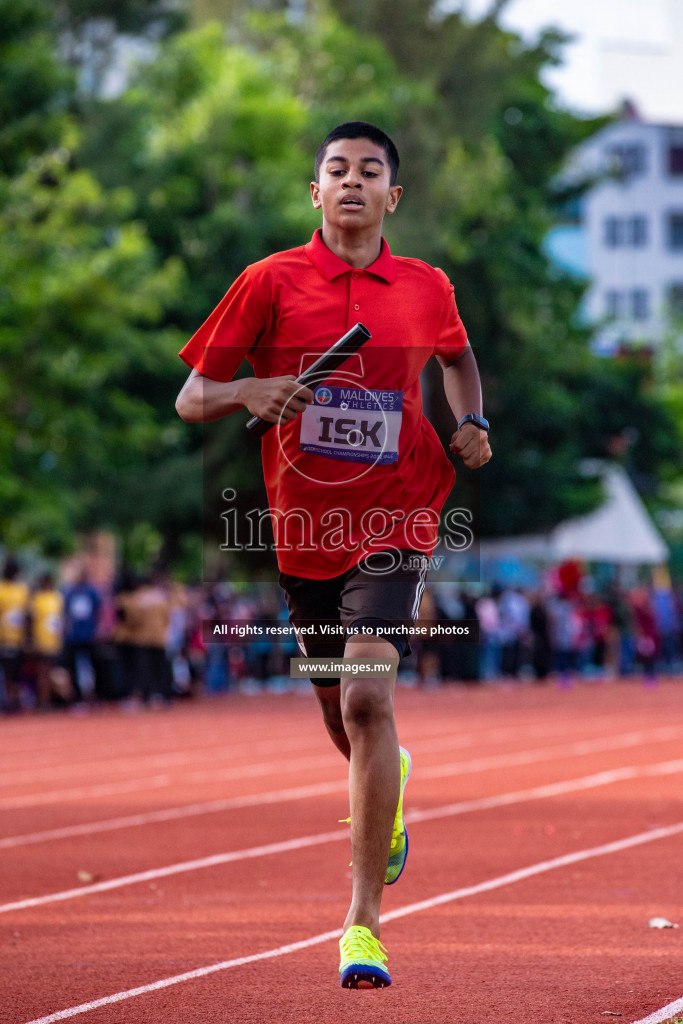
354, 424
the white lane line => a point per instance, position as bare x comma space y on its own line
252, 771
413, 908
228, 750
85, 792
175, 813
578, 749
139, 762
665, 832
549, 753
437, 741
200, 972
175, 869
552, 753
302, 793
166, 732
664, 1014
606, 778
161, 758
287, 846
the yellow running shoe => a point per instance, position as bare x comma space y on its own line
399, 836
362, 960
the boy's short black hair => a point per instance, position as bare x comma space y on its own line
360, 130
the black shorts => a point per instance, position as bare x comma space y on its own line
384, 590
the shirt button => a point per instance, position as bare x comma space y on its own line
355, 276
356, 306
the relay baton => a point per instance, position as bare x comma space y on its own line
324, 365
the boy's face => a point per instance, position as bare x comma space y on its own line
354, 190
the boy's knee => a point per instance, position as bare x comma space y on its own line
365, 702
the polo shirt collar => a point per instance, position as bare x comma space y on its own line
330, 265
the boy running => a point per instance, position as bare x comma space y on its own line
356, 476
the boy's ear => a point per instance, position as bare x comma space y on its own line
395, 193
315, 195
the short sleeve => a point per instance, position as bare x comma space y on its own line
231, 331
452, 337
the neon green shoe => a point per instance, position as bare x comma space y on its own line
362, 960
399, 835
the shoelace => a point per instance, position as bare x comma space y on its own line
364, 943
346, 821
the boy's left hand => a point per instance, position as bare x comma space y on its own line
472, 445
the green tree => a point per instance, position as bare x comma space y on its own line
216, 138
124, 220
86, 291
482, 195
83, 291
36, 90
91, 33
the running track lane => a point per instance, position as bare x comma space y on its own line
34, 873
278, 910
489, 885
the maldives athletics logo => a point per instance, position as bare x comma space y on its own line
323, 396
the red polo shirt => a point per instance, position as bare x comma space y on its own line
362, 469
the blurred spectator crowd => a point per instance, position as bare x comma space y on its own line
563, 634
139, 642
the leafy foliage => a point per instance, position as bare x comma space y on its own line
481, 196
85, 290
124, 220
35, 88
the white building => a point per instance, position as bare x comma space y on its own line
632, 228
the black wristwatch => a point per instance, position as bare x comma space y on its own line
473, 417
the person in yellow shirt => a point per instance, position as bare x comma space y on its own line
46, 611
14, 596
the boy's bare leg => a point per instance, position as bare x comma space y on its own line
329, 698
367, 708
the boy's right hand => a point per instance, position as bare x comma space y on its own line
275, 399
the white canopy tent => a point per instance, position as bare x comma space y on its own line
619, 531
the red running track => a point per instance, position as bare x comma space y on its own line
187, 866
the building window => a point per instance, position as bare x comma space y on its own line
675, 230
626, 231
613, 304
675, 299
637, 231
628, 161
640, 304
614, 232
675, 160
